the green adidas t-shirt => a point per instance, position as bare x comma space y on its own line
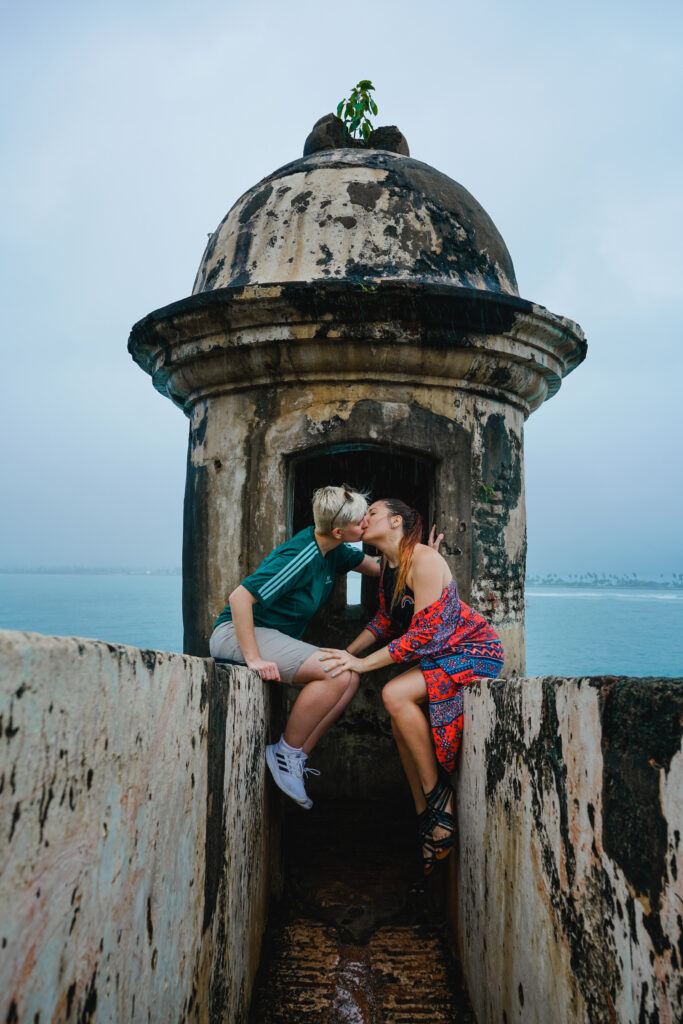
294, 581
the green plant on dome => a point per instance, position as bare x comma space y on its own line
354, 110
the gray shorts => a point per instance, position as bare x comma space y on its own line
289, 654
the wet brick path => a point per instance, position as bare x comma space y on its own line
358, 938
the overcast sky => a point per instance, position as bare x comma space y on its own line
129, 129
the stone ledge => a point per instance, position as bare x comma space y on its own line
570, 803
135, 833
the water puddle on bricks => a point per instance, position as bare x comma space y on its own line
358, 937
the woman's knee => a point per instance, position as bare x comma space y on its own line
392, 699
344, 683
353, 683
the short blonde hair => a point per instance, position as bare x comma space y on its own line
337, 506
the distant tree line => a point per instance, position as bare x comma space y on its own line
605, 579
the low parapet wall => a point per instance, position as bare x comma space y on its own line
568, 885
134, 838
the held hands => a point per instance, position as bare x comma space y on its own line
339, 661
266, 669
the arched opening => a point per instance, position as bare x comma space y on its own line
379, 470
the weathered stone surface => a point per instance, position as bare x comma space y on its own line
136, 845
274, 376
390, 138
357, 939
357, 215
134, 833
263, 336
328, 133
569, 879
355, 317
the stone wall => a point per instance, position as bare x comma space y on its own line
134, 833
242, 469
567, 890
137, 839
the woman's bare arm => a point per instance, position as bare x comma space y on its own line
338, 661
428, 576
364, 640
369, 566
242, 607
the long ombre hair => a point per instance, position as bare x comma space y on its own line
412, 535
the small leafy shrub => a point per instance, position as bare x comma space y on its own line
354, 110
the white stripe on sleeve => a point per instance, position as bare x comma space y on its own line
288, 570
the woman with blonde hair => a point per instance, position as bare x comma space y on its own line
450, 645
266, 615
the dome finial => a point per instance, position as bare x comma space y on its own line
351, 128
329, 132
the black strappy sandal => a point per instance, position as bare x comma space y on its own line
437, 801
424, 831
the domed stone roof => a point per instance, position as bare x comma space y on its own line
359, 215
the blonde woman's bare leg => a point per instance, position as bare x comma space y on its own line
311, 668
319, 704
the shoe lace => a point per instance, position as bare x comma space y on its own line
294, 765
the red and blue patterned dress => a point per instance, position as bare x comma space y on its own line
452, 643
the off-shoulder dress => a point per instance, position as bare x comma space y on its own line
453, 645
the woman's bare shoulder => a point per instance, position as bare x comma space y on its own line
427, 560
422, 552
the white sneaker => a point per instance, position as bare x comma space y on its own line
288, 774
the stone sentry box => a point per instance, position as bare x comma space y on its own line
355, 317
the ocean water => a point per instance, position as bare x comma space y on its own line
140, 610
616, 631
570, 632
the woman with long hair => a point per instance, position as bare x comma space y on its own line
450, 643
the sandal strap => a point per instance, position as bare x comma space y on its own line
437, 802
442, 819
424, 831
435, 816
443, 843
438, 797
429, 852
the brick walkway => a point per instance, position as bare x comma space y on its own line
356, 940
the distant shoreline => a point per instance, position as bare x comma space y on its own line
605, 583
593, 580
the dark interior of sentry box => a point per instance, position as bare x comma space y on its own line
380, 472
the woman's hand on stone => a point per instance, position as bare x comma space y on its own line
434, 540
266, 669
339, 661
